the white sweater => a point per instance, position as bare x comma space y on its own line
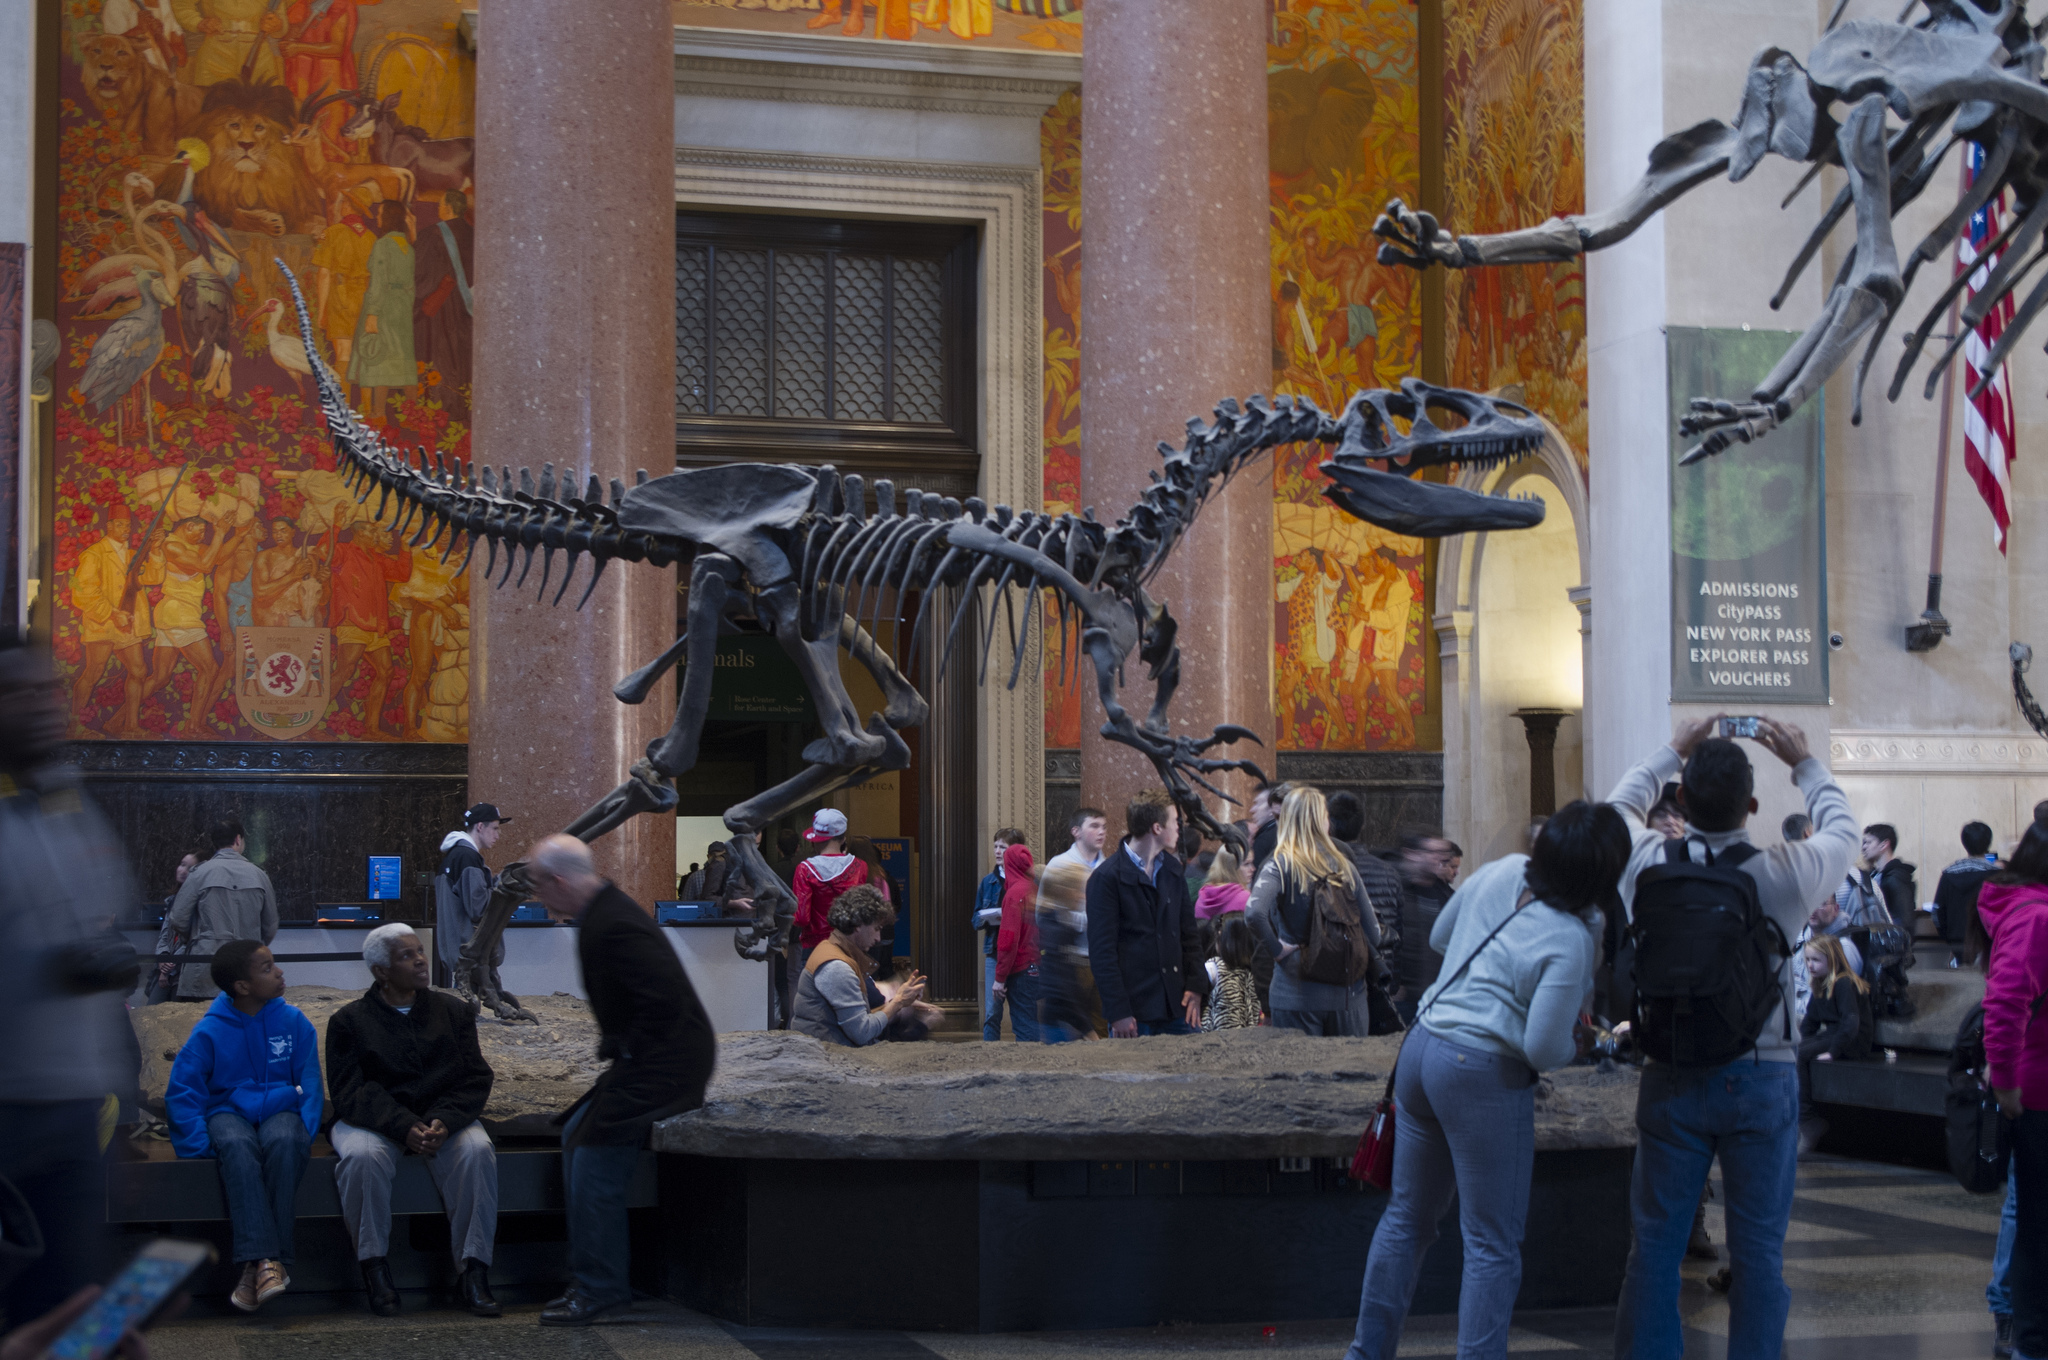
1523, 991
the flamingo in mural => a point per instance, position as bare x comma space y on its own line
126, 354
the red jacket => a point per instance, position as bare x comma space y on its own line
2015, 1028
1017, 937
818, 881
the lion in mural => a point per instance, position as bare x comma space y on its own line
135, 96
253, 181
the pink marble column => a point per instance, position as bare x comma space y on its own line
1175, 315
574, 365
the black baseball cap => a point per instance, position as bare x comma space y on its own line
483, 812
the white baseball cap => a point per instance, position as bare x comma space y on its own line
828, 825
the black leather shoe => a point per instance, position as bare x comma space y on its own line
577, 1309
475, 1288
383, 1292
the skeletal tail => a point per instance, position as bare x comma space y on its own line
457, 502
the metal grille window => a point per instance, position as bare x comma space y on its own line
796, 333
819, 341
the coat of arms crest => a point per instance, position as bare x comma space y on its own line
281, 677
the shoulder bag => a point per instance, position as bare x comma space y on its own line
1373, 1163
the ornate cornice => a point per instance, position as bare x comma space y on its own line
1993, 753
793, 163
803, 69
271, 760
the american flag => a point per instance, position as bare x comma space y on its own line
1987, 417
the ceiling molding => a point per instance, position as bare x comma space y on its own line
1868, 752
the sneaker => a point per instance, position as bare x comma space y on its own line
271, 1280
245, 1298
1721, 1280
1811, 1131
2001, 1343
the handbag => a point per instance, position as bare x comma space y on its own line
1373, 1163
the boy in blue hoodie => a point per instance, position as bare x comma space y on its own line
246, 1090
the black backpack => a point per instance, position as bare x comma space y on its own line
1707, 958
1979, 1139
1334, 947
1979, 1135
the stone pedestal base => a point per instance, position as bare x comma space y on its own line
1050, 1246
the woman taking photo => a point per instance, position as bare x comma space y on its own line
1283, 898
1519, 943
2013, 906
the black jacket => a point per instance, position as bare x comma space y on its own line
1142, 943
1837, 1024
387, 1072
1896, 887
650, 1025
1955, 895
1383, 886
1416, 965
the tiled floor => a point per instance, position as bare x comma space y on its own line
1884, 1263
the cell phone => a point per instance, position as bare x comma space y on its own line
134, 1298
1740, 727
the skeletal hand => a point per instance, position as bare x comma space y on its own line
1415, 239
1731, 422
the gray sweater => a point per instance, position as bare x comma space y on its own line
1290, 991
832, 1004
1522, 992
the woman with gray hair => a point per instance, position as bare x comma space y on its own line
836, 997
406, 1076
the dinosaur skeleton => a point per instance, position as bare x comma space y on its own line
1969, 71
796, 550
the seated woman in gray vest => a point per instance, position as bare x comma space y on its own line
836, 997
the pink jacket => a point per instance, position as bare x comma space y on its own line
1218, 898
2015, 1033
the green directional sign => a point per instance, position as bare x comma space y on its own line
753, 680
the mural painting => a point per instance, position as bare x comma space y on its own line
1048, 25
1349, 598
214, 580
1514, 156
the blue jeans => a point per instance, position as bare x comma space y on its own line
1996, 1293
1023, 988
1465, 1125
1747, 1114
260, 1170
594, 1180
991, 1004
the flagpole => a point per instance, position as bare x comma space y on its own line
1927, 634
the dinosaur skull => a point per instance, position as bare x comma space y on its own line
1494, 431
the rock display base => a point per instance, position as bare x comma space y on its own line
541, 1069
1231, 1095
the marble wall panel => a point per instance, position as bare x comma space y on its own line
312, 812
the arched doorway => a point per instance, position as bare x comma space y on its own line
1509, 627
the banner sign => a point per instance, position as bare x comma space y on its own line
753, 680
1749, 613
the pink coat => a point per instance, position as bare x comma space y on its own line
2015, 1030
1218, 898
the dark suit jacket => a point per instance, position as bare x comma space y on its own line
649, 1021
1142, 943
